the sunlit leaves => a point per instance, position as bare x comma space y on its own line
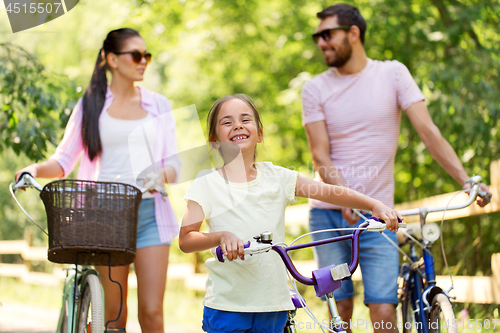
32, 103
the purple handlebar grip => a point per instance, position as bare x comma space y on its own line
220, 255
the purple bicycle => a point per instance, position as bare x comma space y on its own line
325, 280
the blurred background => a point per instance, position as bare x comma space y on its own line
203, 50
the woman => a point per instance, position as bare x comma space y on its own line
98, 132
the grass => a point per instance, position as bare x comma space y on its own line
13, 290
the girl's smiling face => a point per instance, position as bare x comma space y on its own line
236, 124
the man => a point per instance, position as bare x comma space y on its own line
352, 115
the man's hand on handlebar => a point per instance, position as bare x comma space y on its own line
349, 216
481, 202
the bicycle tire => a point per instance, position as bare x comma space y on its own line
91, 300
64, 318
407, 310
441, 316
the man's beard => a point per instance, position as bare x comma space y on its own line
342, 55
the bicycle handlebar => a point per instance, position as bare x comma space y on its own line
259, 247
474, 192
26, 180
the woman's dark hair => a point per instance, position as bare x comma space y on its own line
346, 15
95, 95
214, 112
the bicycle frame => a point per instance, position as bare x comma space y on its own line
422, 289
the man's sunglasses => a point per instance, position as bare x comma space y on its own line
327, 33
137, 56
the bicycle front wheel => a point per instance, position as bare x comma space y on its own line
90, 315
408, 324
441, 317
63, 328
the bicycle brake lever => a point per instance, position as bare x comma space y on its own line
21, 181
447, 293
375, 225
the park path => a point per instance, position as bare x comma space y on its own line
20, 318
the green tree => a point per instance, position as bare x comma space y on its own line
35, 103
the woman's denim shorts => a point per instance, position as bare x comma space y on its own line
147, 229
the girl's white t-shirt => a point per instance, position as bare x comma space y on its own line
116, 157
258, 283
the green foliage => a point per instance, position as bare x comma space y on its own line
451, 49
469, 244
34, 103
15, 225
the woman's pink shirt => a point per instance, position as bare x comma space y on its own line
164, 149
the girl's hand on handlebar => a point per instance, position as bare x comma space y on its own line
389, 215
232, 246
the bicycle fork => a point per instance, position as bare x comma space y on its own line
336, 323
290, 322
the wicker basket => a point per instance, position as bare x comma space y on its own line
91, 223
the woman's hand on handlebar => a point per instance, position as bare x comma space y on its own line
31, 169
389, 215
481, 202
232, 246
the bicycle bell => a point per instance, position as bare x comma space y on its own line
430, 232
265, 237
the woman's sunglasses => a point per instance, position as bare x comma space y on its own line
327, 33
137, 56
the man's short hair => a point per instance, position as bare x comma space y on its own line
346, 15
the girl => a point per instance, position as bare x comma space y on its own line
98, 131
239, 201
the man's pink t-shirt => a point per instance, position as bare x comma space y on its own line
362, 113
